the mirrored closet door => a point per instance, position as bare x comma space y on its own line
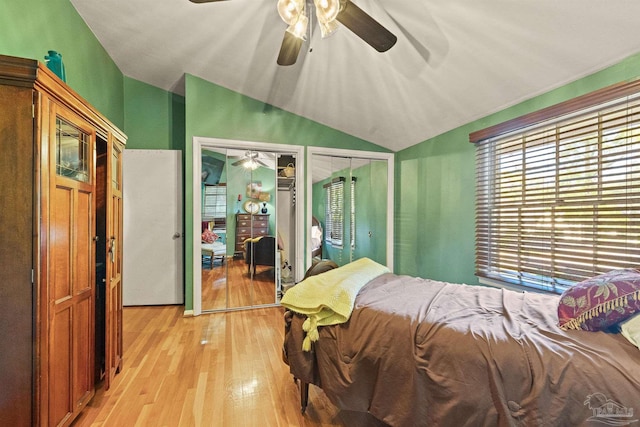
247, 224
213, 247
351, 205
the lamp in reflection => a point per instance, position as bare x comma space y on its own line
250, 164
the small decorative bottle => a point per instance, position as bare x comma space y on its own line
54, 63
264, 208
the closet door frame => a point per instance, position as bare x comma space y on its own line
372, 155
200, 143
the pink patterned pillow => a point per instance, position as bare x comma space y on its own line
209, 236
602, 301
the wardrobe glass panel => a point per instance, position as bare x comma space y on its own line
72, 151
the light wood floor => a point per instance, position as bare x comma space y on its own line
230, 279
222, 369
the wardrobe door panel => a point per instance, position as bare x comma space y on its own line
84, 243
60, 250
82, 342
114, 267
71, 246
83, 296
60, 351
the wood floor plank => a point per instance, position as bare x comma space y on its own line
222, 369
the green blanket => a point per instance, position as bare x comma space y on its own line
328, 298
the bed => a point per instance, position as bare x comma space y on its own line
418, 352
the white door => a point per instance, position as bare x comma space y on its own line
152, 269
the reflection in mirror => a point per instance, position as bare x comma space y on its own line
286, 223
247, 190
369, 209
251, 187
214, 251
349, 201
238, 228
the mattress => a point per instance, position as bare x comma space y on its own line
418, 352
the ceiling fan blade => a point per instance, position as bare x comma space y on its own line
289, 49
261, 163
239, 162
204, 1
365, 27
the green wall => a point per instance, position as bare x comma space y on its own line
215, 112
435, 186
154, 118
30, 28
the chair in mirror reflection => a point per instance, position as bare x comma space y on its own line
260, 251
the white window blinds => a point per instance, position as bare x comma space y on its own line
334, 212
215, 202
559, 201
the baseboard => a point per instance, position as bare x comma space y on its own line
188, 313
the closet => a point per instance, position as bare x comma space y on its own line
352, 198
249, 225
61, 257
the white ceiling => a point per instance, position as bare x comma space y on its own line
455, 60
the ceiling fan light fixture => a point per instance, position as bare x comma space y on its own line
328, 28
290, 10
327, 10
299, 28
250, 164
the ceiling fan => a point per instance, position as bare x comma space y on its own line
327, 12
250, 160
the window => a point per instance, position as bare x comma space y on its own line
334, 212
215, 201
352, 228
558, 201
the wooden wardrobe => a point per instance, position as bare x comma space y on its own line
60, 247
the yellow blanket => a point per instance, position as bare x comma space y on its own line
328, 298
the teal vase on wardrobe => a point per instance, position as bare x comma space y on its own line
54, 63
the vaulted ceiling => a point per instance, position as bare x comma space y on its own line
455, 60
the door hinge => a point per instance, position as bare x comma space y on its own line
33, 111
33, 276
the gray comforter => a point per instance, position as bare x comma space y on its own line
417, 352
